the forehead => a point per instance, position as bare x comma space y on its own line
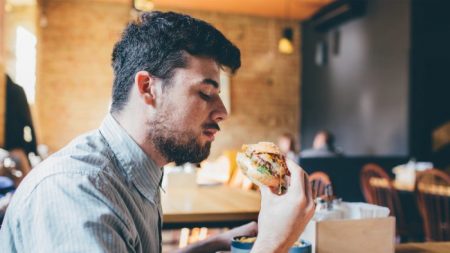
204, 65
198, 69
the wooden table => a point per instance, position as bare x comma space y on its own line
211, 206
427, 247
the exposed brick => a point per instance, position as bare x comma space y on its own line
75, 75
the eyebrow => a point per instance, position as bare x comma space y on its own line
210, 82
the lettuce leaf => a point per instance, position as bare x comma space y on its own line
263, 170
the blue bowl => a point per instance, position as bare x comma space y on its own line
245, 247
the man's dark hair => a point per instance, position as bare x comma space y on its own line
158, 42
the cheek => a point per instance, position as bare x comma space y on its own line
197, 109
188, 115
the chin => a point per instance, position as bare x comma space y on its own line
206, 145
203, 140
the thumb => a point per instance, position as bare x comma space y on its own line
268, 194
265, 191
297, 175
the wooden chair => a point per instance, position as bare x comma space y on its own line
432, 189
319, 182
378, 188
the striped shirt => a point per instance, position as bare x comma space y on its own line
98, 194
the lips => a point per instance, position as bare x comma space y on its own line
209, 133
210, 129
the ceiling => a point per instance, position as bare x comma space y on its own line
286, 9
289, 9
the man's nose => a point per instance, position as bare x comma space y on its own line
220, 113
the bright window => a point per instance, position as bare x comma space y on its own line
26, 62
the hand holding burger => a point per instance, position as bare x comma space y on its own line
282, 217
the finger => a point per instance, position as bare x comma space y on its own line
265, 191
249, 229
308, 188
293, 168
265, 196
310, 195
297, 178
313, 187
252, 227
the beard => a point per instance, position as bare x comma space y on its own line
175, 144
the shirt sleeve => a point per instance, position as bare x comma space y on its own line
71, 213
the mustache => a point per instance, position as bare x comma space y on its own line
211, 125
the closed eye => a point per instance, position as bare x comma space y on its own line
204, 96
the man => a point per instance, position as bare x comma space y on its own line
101, 192
323, 146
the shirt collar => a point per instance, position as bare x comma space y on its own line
140, 169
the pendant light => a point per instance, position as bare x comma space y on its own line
143, 5
285, 44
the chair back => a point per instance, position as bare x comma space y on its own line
320, 182
378, 188
432, 189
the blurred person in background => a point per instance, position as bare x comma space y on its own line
323, 146
101, 193
19, 130
288, 146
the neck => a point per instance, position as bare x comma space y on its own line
135, 127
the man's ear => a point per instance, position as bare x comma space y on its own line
146, 85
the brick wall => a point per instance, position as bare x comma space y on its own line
75, 74
74, 83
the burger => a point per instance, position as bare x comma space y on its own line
264, 164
